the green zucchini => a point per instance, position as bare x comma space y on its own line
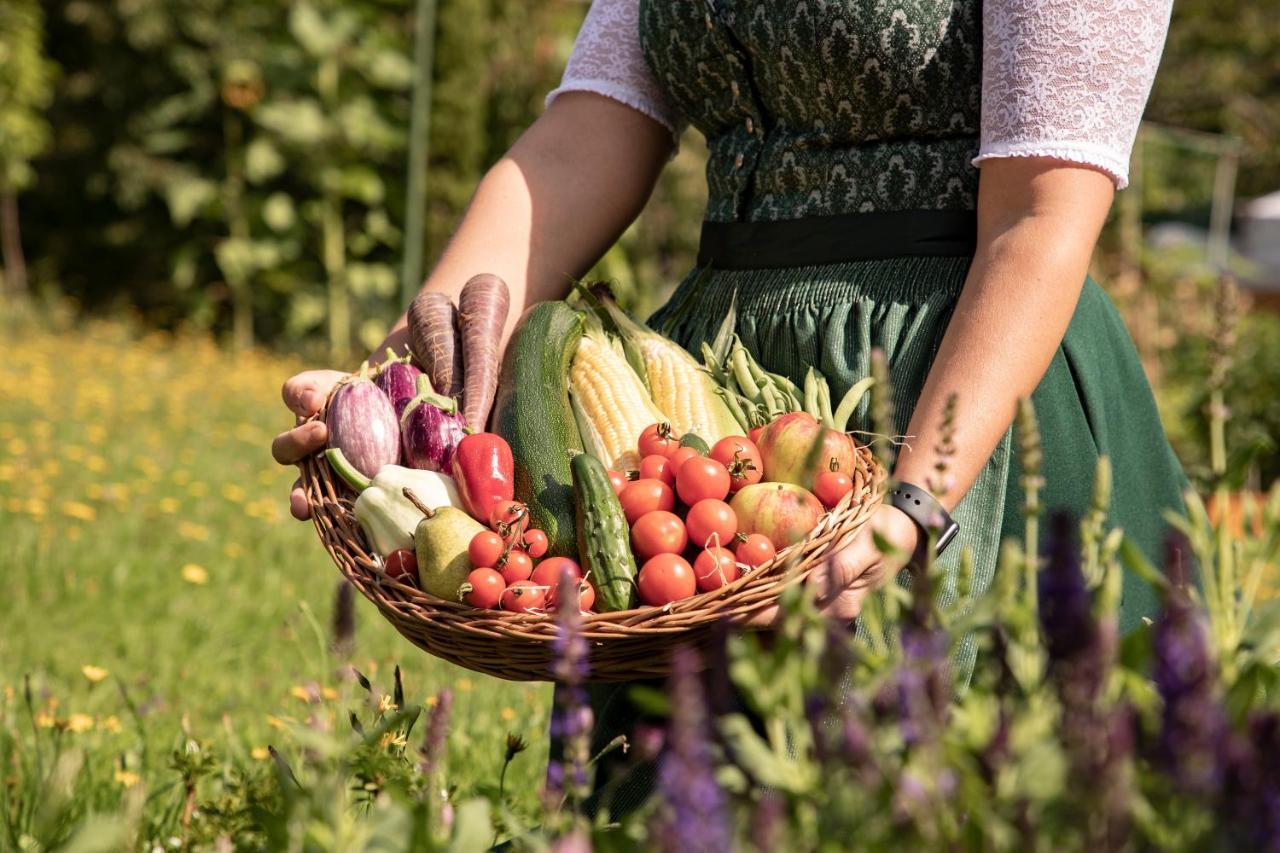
533, 414
692, 440
603, 539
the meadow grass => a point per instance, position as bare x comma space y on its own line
155, 592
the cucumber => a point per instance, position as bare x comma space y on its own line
533, 414
696, 442
603, 539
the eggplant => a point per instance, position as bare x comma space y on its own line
362, 424
430, 429
398, 379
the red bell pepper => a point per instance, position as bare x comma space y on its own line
484, 471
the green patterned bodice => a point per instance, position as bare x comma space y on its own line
822, 107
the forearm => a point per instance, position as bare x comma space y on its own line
548, 210
1034, 244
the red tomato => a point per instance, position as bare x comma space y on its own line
711, 523
618, 480
548, 572
524, 597
658, 532
507, 516
646, 495
586, 595
517, 567
742, 458
483, 588
714, 568
666, 578
486, 549
681, 456
402, 565
754, 433
831, 486
700, 478
535, 542
657, 467
754, 549
658, 439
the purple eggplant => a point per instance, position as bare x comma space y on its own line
430, 429
398, 379
362, 424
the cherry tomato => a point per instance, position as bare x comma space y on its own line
754, 433
524, 597
486, 549
586, 595
658, 532
646, 495
618, 480
666, 578
714, 568
711, 523
742, 458
548, 572
679, 457
830, 486
700, 478
657, 467
402, 565
658, 439
507, 516
535, 542
754, 549
517, 567
483, 588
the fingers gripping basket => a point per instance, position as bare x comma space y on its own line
623, 646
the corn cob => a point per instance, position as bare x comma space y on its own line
609, 401
683, 390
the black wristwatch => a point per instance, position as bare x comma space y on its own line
925, 510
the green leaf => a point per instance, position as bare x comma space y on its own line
262, 161
188, 196
299, 122
319, 36
278, 212
472, 826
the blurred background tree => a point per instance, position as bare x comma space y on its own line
26, 90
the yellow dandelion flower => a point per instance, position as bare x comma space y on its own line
94, 673
127, 778
16, 447
45, 720
195, 574
279, 722
299, 692
74, 453
168, 506
51, 468
507, 714
94, 491
392, 738
385, 704
79, 723
110, 724
260, 753
191, 530
7, 472
233, 492
464, 685
35, 507
80, 510
181, 477
431, 701
329, 693
96, 464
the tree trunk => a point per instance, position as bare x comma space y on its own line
15, 265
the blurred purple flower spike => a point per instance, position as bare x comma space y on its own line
571, 717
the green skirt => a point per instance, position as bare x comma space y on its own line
1094, 400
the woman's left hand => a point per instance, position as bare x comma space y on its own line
844, 579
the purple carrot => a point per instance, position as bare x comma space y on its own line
398, 379
362, 424
482, 315
430, 429
433, 340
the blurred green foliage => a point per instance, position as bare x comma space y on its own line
26, 89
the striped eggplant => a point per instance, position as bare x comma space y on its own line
398, 379
362, 424
430, 429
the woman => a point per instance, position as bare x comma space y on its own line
847, 211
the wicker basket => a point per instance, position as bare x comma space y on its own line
626, 645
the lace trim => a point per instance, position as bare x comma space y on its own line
1100, 157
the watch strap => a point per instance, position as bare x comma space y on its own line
926, 511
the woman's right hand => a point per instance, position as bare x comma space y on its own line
304, 394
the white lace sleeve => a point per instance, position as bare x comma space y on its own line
607, 60
1068, 79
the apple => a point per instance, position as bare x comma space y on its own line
785, 447
783, 513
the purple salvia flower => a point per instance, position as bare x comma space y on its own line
1251, 793
571, 717
1064, 601
696, 816
1193, 722
436, 737
920, 692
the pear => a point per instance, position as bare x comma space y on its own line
440, 540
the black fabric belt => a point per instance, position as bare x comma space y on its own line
817, 240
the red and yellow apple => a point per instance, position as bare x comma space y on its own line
786, 447
783, 513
